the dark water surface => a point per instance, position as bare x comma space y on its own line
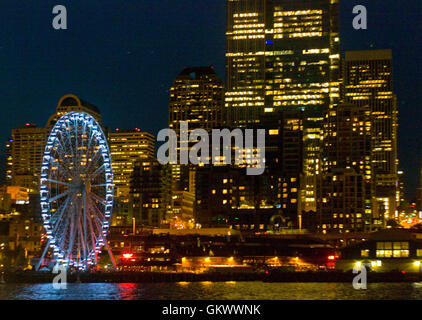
212, 291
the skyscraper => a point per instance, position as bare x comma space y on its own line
196, 97
126, 148
281, 54
341, 202
344, 186
284, 55
419, 195
25, 158
149, 188
312, 160
368, 80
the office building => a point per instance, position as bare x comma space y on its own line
196, 97
345, 192
126, 148
24, 160
341, 202
368, 80
281, 55
312, 160
150, 193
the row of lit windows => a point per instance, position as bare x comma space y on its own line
245, 15
299, 35
296, 13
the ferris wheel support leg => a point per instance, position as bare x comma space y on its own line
110, 254
43, 255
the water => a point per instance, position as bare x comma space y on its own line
212, 291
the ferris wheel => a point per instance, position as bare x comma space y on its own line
76, 190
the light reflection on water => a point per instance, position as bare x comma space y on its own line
212, 291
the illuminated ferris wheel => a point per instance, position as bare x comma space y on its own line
76, 191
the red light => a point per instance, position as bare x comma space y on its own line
266, 272
403, 272
127, 255
331, 258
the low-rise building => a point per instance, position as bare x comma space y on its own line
384, 251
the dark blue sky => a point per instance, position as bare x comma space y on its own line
123, 55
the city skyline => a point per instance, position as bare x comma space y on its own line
216, 150
131, 91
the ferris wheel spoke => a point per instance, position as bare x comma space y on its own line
93, 239
88, 148
72, 236
98, 224
63, 170
76, 125
65, 151
62, 210
99, 185
59, 196
98, 198
95, 157
82, 239
79, 220
85, 226
94, 209
97, 211
58, 182
98, 171
83, 136
60, 228
69, 140
63, 234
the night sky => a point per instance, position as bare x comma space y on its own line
123, 56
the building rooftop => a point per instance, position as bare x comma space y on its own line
386, 54
71, 100
196, 73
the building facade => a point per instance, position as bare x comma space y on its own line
27, 148
281, 54
345, 186
126, 148
368, 80
197, 98
150, 192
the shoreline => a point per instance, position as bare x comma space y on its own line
160, 277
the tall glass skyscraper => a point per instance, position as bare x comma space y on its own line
281, 54
284, 55
368, 80
196, 97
